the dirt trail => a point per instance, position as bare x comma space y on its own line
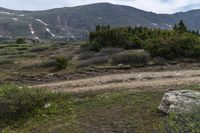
126, 80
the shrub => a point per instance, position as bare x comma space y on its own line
134, 43
17, 101
131, 57
20, 41
184, 45
62, 62
94, 46
93, 61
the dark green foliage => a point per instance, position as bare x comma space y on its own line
94, 46
184, 45
105, 37
133, 43
20, 41
177, 43
181, 27
131, 57
62, 62
127, 37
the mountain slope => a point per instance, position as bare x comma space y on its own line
74, 23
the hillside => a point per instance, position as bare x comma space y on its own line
74, 23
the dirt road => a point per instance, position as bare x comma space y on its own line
126, 81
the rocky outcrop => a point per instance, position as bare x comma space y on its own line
180, 101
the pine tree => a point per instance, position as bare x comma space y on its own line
98, 27
182, 27
175, 27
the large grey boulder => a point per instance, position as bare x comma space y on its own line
180, 101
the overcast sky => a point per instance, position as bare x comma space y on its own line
158, 6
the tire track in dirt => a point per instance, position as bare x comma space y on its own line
126, 80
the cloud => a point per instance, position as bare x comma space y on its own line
158, 6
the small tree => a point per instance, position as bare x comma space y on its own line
175, 27
180, 27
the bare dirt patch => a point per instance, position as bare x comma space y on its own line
126, 80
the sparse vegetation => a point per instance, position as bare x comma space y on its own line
108, 51
182, 123
76, 110
131, 57
38, 49
93, 61
18, 101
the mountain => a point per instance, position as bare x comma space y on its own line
74, 23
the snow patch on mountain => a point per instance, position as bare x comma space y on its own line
7, 13
47, 29
42, 22
170, 26
37, 38
31, 29
15, 19
21, 15
154, 24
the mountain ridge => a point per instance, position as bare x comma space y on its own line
74, 23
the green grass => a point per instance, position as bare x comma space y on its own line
79, 113
117, 111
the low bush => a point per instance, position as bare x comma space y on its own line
95, 46
184, 45
86, 55
131, 57
62, 62
16, 101
93, 61
20, 41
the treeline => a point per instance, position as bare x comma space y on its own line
179, 42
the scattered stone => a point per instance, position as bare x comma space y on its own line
180, 101
47, 105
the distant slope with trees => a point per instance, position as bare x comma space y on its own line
177, 43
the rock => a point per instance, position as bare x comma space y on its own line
180, 101
120, 65
47, 105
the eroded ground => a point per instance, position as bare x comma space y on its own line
126, 80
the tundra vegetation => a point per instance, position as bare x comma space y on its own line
27, 109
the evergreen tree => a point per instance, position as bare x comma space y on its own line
98, 27
182, 28
175, 27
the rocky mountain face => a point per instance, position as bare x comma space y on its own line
74, 23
